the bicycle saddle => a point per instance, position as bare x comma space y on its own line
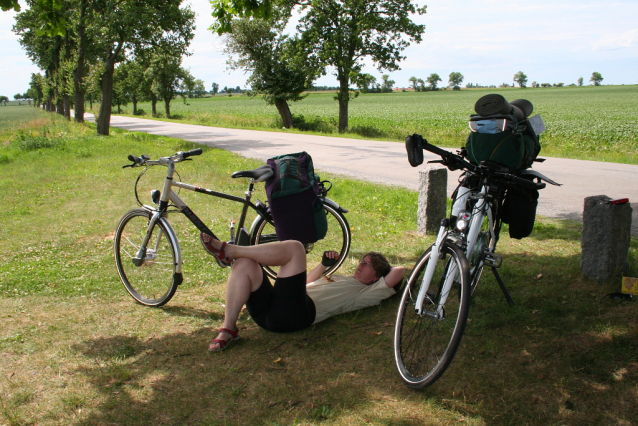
260, 174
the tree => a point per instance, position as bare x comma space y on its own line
365, 82
215, 88
138, 26
167, 75
9, 4
455, 79
433, 79
413, 82
3, 99
387, 85
521, 79
596, 78
580, 81
277, 66
199, 89
341, 34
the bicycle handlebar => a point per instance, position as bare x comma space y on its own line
455, 162
180, 156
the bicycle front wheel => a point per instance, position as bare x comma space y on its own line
337, 238
153, 281
425, 343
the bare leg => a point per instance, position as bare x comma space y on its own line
289, 255
246, 275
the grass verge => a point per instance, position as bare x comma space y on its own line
76, 350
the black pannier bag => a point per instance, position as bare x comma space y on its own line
502, 133
519, 211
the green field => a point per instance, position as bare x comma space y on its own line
597, 123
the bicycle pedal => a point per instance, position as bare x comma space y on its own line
492, 260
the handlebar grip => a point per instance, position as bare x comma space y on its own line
134, 159
197, 151
435, 149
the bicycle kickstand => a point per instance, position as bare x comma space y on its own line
501, 284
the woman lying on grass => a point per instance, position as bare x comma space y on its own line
298, 299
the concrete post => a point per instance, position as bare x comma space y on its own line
606, 238
432, 198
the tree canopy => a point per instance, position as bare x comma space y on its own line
521, 79
276, 65
596, 78
341, 34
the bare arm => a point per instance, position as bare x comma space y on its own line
318, 271
395, 276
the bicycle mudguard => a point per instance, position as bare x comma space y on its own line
538, 175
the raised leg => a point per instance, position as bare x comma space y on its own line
246, 276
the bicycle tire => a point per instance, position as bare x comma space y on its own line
155, 281
424, 345
338, 238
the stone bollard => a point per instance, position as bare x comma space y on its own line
432, 198
606, 238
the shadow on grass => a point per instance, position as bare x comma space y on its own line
558, 357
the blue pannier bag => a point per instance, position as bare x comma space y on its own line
294, 201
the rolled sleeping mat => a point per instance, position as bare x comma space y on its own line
492, 104
524, 105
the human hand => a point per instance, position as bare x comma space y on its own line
329, 258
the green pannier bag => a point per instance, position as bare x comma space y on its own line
515, 147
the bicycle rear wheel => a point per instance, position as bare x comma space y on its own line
154, 282
337, 238
425, 344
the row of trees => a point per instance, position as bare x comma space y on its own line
80, 43
418, 85
520, 78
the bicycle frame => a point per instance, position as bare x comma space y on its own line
480, 210
167, 196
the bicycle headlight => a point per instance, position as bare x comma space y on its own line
155, 196
463, 221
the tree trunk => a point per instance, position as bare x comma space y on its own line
106, 83
104, 118
167, 106
59, 105
67, 106
344, 98
284, 111
78, 73
154, 105
134, 105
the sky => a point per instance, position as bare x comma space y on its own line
488, 41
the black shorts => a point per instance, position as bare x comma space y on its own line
283, 307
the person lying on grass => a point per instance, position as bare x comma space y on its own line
298, 298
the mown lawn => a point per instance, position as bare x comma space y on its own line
76, 350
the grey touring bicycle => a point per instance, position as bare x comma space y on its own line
148, 255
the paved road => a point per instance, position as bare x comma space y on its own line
386, 162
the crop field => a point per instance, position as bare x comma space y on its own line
582, 122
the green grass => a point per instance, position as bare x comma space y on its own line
592, 123
76, 350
